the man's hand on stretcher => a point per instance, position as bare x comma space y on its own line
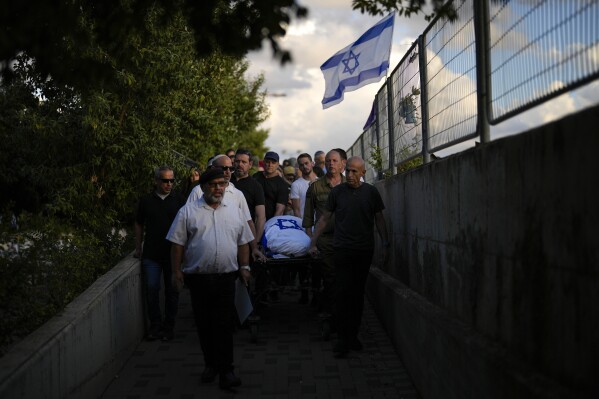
258, 255
313, 251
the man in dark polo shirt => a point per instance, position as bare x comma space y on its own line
155, 213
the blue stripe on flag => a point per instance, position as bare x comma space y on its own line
354, 80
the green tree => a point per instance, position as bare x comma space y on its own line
38, 136
98, 147
79, 158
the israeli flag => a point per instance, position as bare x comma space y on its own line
362, 62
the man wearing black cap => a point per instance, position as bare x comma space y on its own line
224, 162
276, 190
212, 235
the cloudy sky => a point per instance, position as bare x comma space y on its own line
297, 122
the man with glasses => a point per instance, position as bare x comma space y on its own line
155, 213
236, 196
212, 236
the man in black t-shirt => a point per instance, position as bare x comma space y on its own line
358, 207
155, 213
276, 190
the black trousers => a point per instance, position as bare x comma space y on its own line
213, 303
351, 272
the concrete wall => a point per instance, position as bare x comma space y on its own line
493, 286
77, 353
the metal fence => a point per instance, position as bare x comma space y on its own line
498, 59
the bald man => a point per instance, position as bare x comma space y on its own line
357, 207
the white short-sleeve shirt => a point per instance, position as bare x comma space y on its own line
210, 236
298, 191
234, 195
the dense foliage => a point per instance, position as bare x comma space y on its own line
45, 265
75, 160
87, 155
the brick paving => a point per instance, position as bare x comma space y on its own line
289, 359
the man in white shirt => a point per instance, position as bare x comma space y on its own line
298, 200
300, 186
224, 162
211, 234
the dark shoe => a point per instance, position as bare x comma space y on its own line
355, 345
228, 380
167, 334
154, 333
209, 375
340, 349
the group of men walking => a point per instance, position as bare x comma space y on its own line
206, 242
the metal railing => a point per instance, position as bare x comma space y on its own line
498, 58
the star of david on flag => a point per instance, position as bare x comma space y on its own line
364, 61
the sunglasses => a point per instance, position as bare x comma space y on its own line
172, 181
229, 168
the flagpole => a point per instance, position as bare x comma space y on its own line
391, 47
391, 143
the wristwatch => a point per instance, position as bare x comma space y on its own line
245, 268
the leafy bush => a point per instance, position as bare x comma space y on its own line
45, 265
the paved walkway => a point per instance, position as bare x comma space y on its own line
288, 360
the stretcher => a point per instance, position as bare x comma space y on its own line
274, 277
